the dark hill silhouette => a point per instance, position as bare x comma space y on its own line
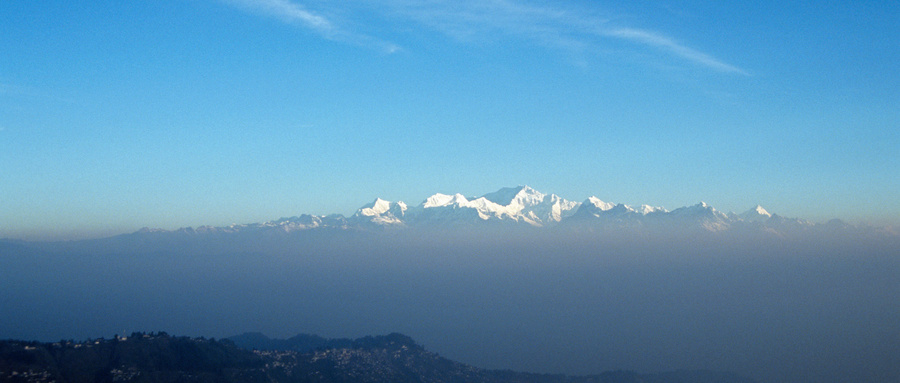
159, 357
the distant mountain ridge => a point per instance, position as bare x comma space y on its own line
523, 206
514, 209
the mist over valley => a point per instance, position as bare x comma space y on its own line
813, 303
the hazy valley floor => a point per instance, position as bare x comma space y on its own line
813, 310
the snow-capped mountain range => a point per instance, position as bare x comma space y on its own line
523, 206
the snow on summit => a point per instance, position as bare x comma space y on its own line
756, 214
517, 196
518, 204
523, 205
598, 204
382, 212
439, 200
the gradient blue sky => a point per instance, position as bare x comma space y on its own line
116, 115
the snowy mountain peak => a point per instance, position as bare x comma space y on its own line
379, 206
522, 205
701, 208
506, 196
440, 199
599, 204
516, 204
621, 208
382, 212
759, 210
647, 209
756, 214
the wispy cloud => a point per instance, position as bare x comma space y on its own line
289, 12
670, 45
489, 20
549, 25
485, 20
466, 18
293, 13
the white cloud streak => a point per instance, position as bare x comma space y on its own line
289, 12
559, 27
480, 20
668, 44
293, 13
469, 20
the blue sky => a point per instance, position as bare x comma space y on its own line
118, 115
